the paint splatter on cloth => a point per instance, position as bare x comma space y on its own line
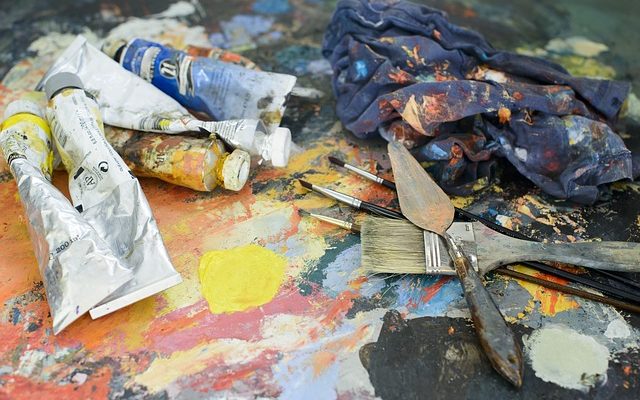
404, 72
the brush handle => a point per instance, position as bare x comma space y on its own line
498, 249
381, 211
496, 338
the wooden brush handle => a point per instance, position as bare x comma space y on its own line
496, 338
498, 249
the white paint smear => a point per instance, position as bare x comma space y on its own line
567, 358
617, 329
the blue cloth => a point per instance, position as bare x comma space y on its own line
404, 72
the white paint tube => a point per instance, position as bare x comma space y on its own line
78, 268
127, 101
106, 193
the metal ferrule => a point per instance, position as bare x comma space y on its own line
353, 202
364, 173
333, 221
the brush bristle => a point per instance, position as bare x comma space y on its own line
392, 246
303, 213
306, 184
336, 161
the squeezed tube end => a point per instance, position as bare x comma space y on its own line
280, 147
235, 170
61, 80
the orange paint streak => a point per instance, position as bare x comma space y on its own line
321, 361
339, 308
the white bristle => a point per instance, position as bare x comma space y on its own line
392, 246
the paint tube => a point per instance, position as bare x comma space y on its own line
124, 98
106, 193
218, 89
129, 102
216, 53
250, 135
197, 163
78, 268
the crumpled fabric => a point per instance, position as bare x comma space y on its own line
404, 72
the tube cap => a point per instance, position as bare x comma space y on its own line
235, 170
23, 106
280, 147
61, 80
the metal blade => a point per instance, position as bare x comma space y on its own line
421, 199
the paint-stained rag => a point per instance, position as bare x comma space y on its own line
404, 72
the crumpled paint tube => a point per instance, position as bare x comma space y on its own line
197, 163
119, 93
106, 193
221, 90
78, 268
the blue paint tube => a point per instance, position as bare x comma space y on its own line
221, 90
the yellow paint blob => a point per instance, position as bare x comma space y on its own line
240, 278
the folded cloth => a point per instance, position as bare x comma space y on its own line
404, 72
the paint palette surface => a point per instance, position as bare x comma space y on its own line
298, 318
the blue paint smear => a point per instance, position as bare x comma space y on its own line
272, 6
439, 152
361, 69
15, 315
410, 291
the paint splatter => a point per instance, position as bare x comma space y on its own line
240, 278
567, 358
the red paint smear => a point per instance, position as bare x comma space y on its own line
432, 290
342, 304
222, 376
19, 387
189, 326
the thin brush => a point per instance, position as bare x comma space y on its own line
365, 174
352, 201
395, 246
569, 290
355, 228
461, 213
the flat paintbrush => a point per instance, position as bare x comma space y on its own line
622, 305
394, 246
461, 213
352, 201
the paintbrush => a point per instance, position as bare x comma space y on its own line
352, 201
394, 246
461, 213
350, 226
365, 174
623, 305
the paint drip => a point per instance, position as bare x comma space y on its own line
567, 358
240, 278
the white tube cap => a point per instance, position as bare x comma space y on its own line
280, 147
23, 106
235, 170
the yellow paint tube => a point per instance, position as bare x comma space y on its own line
197, 163
78, 267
